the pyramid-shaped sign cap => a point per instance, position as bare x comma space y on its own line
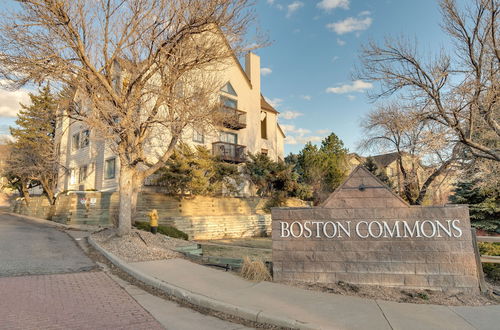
363, 190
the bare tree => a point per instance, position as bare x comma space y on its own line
460, 91
140, 68
423, 147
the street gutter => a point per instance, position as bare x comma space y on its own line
253, 315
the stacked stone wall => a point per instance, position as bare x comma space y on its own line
200, 217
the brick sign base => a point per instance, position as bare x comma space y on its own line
364, 234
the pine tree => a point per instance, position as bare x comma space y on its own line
371, 166
323, 168
33, 155
484, 204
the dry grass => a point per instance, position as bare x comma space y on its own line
254, 270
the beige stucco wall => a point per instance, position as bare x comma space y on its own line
247, 87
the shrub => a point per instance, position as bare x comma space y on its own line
163, 229
195, 171
490, 249
254, 270
277, 180
492, 271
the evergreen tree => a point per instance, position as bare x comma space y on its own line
484, 204
335, 156
277, 180
33, 154
197, 172
323, 168
371, 166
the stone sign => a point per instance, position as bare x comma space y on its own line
365, 234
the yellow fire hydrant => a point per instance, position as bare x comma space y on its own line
153, 221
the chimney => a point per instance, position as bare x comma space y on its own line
252, 69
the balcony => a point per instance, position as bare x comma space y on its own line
233, 118
229, 152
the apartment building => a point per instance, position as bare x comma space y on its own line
250, 125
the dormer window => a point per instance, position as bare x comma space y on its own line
228, 88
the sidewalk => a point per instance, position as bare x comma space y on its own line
287, 306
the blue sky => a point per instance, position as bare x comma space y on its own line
307, 70
314, 51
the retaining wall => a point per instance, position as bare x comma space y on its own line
200, 217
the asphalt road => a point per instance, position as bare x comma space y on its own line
45, 283
29, 248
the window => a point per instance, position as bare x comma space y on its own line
72, 176
229, 137
198, 137
75, 141
263, 125
264, 151
228, 88
230, 103
82, 173
85, 139
110, 168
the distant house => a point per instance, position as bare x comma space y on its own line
251, 126
439, 191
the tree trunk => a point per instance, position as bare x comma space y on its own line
25, 193
128, 196
135, 193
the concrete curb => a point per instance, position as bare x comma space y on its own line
201, 300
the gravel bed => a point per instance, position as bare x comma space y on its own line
139, 245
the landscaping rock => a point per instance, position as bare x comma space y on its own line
139, 245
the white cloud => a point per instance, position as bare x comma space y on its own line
323, 131
356, 86
340, 42
290, 114
302, 139
365, 13
271, 2
332, 4
275, 103
350, 24
293, 7
306, 97
351, 97
292, 129
335, 58
265, 71
9, 101
299, 135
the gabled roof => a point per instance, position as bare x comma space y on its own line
281, 130
266, 106
362, 189
385, 159
356, 156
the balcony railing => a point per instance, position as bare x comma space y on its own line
229, 152
233, 118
